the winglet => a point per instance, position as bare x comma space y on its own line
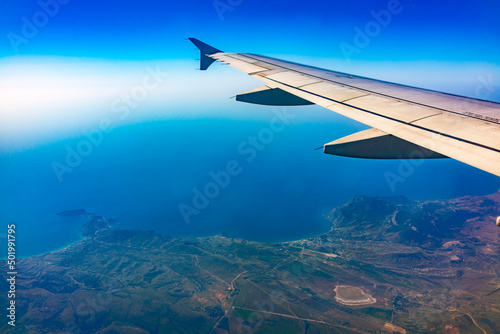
205, 51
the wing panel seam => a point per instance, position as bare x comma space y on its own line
356, 97
421, 118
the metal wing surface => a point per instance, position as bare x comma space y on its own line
407, 122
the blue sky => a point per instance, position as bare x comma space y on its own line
459, 30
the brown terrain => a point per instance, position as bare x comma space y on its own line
430, 267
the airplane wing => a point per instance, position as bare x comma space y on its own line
407, 122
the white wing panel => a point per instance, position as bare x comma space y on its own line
404, 111
472, 130
486, 110
293, 79
334, 92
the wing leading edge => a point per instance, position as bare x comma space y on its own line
407, 122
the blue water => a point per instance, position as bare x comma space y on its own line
140, 174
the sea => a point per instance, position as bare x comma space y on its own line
257, 179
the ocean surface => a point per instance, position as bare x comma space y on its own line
146, 175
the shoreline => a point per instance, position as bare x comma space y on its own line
50, 251
104, 220
91, 216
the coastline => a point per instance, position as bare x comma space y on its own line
102, 221
91, 217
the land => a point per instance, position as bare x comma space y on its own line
426, 267
351, 295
